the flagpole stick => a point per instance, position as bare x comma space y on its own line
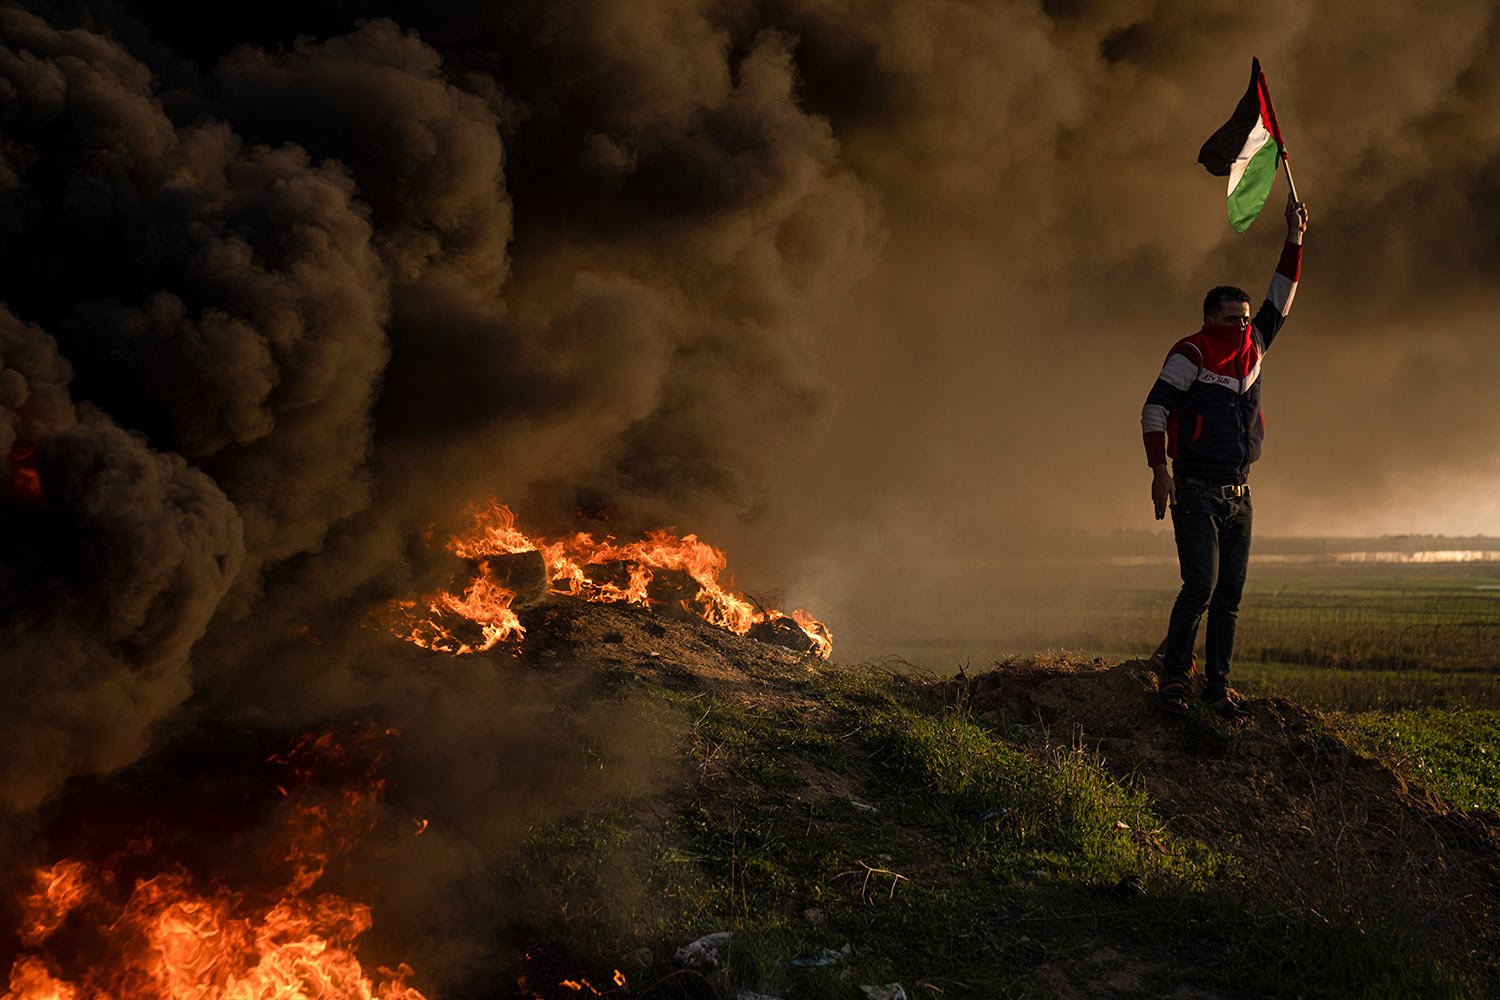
1285, 162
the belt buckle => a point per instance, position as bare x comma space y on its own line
1233, 490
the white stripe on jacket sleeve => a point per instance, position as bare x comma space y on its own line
1281, 292
1178, 372
1153, 419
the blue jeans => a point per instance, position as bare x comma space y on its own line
1213, 552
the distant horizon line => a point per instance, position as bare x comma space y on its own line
1388, 536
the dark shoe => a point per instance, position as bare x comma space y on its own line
1224, 703
1172, 696
1160, 656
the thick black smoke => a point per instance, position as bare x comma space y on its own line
299, 276
107, 581
276, 304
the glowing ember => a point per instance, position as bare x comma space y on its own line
601, 570
25, 479
584, 986
618, 985
88, 931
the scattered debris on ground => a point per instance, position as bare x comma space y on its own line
705, 953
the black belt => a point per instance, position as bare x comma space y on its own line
1224, 490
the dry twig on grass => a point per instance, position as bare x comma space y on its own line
870, 872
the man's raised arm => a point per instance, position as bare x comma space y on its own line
1273, 311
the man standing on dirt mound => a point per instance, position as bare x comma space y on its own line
1204, 414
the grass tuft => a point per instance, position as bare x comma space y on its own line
857, 810
1454, 754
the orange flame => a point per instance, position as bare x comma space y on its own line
494, 533
30, 980
176, 936
816, 631
59, 890
485, 603
572, 567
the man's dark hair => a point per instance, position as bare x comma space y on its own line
1220, 294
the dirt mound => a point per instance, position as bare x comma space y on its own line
1322, 825
674, 650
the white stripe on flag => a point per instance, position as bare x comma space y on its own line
1257, 138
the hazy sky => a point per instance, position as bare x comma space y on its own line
828, 282
1051, 237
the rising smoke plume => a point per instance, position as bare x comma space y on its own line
287, 274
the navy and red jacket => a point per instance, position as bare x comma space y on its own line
1204, 410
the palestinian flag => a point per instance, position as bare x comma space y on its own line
1246, 150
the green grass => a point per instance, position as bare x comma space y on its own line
1352, 638
1007, 810
1455, 754
1434, 619
1336, 689
959, 858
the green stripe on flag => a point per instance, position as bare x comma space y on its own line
1250, 193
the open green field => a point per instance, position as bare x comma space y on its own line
1338, 637
1344, 637
1403, 658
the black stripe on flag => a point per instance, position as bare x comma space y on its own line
1219, 152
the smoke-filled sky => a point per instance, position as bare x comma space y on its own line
285, 284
